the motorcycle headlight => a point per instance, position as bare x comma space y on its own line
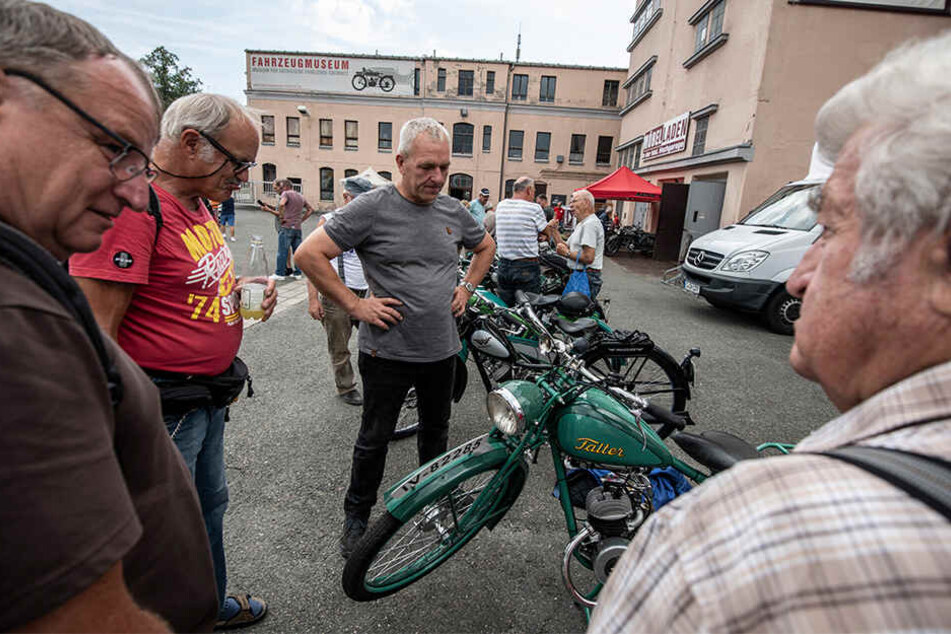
505, 411
745, 261
545, 344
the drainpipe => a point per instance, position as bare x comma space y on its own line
505, 131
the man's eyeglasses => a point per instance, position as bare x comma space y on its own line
239, 166
129, 161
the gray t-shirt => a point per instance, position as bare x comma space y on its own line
410, 252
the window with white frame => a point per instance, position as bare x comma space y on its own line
326, 133
640, 86
350, 135
385, 135
293, 131
700, 135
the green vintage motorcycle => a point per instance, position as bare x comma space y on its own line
438, 508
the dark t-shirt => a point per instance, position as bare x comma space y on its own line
226, 208
410, 252
80, 488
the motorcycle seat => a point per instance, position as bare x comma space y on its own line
716, 450
576, 326
543, 301
575, 304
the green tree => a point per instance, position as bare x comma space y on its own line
170, 81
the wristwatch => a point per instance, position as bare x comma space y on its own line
469, 287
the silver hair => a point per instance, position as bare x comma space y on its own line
903, 182
523, 183
45, 42
414, 127
587, 196
204, 112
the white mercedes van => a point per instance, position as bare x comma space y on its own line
745, 266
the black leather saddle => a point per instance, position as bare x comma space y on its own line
575, 304
542, 301
716, 450
574, 327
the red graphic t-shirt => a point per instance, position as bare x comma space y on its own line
184, 315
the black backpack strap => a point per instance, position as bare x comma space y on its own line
925, 478
155, 210
29, 259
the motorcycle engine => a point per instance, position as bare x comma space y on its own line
615, 519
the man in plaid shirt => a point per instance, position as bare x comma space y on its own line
806, 543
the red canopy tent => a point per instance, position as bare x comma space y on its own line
623, 184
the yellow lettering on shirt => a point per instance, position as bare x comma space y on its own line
194, 245
200, 299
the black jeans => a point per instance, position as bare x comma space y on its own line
515, 275
385, 384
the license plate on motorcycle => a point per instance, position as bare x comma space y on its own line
691, 287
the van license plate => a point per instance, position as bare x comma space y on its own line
691, 287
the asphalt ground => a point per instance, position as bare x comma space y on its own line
288, 455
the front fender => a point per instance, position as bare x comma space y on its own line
432, 480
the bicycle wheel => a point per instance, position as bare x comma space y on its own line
408, 422
393, 553
652, 374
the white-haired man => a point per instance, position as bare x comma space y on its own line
810, 542
408, 238
169, 295
100, 528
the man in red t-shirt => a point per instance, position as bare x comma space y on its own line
169, 295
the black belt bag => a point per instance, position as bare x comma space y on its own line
182, 393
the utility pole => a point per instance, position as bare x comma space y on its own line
518, 45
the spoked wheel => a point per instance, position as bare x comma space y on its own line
408, 422
652, 374
359, 82
393, 554
387, 83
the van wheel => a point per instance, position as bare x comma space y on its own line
781, 311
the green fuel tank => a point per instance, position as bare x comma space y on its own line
596, 428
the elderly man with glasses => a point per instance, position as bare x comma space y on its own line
168, 293
99, 518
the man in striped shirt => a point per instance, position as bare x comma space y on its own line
806, 542
519, 225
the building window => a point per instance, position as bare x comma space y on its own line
603, 156
326, 183
642, 20
462, 138
293, 131
640, 86
441, 80
509, 187
519, 87
489, 82
460, 186
385, 141
269, 172
416, 81
547, 91
267, 129
576, 151
388, 176
516, 138
466, 80
636, 162
486, 138
296, 184
350, 135
609, 97
700, 135
326, 133
710, 25
349, 173
542, 146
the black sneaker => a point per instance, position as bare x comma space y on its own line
353, 530
352, 397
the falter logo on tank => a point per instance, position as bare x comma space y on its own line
213, 277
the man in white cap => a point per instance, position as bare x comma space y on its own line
337, 322
480, 206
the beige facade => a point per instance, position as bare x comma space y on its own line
500, 131
751, 74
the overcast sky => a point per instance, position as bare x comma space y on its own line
211, 37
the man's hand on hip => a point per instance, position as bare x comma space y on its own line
460, 297
377, 311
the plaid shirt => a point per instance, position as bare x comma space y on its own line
800, 543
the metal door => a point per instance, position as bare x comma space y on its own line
704, 204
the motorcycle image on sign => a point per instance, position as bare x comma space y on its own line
366, 77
